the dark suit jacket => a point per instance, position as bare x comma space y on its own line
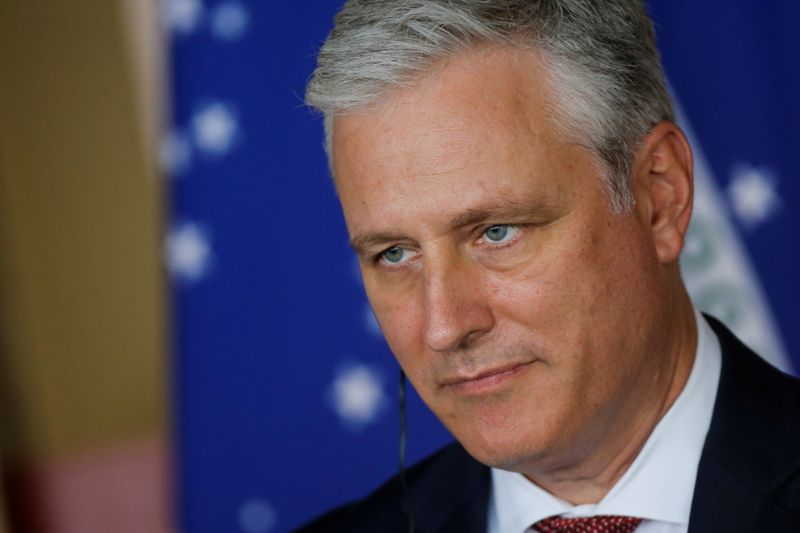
748, 479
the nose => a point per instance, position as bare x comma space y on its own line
456, 311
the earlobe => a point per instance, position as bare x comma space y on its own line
664, 187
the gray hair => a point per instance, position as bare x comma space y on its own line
605, 72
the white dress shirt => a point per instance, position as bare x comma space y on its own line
659, 484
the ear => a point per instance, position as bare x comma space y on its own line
663, 183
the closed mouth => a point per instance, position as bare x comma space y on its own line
486, 379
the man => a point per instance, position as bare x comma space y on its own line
517, 193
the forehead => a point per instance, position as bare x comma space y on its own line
493, 82
477, 125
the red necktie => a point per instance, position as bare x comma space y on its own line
589, 524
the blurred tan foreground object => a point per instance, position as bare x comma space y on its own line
82, 312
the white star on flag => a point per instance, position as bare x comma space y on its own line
182, 16
214, 128
229, 21
188, 252
753, 196
256, 516
357, 395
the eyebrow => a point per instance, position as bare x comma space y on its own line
475, 215
362, 243
482, 213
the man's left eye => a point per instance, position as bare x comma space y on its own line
500, 233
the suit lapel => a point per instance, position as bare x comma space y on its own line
751, 447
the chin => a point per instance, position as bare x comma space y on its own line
516, 455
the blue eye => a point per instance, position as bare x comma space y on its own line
500, 233
394, 255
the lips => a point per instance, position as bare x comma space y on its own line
486, 380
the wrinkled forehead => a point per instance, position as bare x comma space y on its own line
481, 102
503, 85
474, 137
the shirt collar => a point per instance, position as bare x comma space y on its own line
659, 485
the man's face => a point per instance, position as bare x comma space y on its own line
517, 303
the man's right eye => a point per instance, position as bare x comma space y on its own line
396, 255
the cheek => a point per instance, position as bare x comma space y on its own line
549, 289
581, 290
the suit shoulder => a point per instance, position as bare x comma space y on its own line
750, 376
384, 508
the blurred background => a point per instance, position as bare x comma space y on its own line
184, 341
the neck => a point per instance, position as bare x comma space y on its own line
589, 479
